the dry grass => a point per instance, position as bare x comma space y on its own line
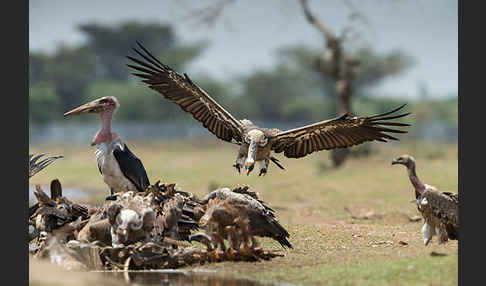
330, 247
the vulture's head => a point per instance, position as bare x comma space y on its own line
254, 138
405, 160
100, 105
220, 212
105, 107
126, 223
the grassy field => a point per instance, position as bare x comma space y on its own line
314, 203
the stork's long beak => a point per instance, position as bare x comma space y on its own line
91, 107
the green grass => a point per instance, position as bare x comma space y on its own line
329, 246
409, 271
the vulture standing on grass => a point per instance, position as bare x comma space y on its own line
242, 208
257, 143
120, 169
36, 166
439, 209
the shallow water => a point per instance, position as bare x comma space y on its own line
71, 193
180, 277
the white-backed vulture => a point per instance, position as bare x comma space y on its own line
258, 143
440, 210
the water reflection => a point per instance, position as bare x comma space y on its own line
178, 277
71, 193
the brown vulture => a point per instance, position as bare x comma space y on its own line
440, 210
256, 142
243, 210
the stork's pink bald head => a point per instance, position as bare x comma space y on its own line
105, 106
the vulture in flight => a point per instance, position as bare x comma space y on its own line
120, 169
256, 142
35, 166
440, 210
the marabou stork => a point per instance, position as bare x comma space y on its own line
120, 169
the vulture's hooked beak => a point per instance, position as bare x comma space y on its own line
250, 160
94, 106
395, 161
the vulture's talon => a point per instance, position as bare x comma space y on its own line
238, 167
263, 172
248, 170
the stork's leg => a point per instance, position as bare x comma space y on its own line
263, 165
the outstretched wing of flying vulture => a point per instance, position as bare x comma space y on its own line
190, 97
340, 132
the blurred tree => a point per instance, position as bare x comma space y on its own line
69, 71
373, 69
44, 103
343, 68
110, 45
284, 93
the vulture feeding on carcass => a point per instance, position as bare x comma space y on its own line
440, 210
131, 220
238, 215
36, 166
120, 169
159, 214
256, 144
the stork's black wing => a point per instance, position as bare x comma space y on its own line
131, 167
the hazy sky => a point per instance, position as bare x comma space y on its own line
248, 32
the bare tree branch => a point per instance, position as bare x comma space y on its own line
209, 14
316, 22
